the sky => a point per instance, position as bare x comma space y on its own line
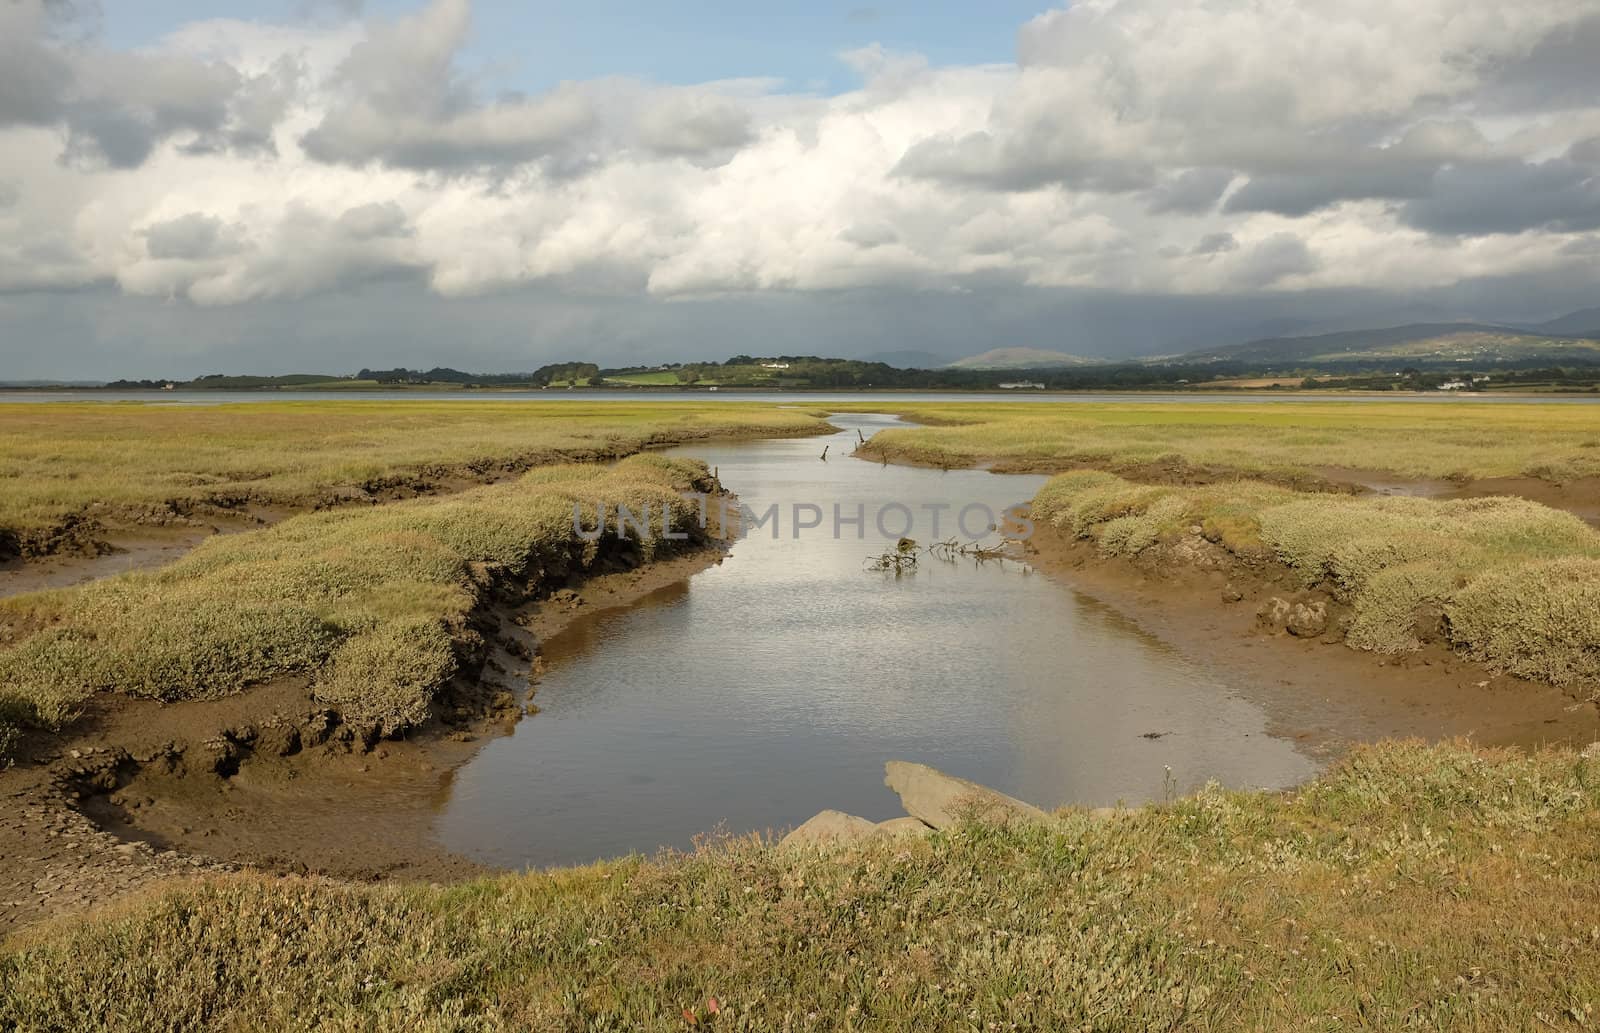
268, 186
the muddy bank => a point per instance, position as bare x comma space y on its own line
1283, 647
119, 554
138, 791
1579, 496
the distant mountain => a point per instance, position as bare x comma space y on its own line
909, 359
1022, 358
1583, 323
1437, 342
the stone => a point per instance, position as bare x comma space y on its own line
942, 800
828, 828
279, 740
1231, 594
1274, 613
1308, 620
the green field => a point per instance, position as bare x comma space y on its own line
657, 378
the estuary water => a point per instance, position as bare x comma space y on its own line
776, 684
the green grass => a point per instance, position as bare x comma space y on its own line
1516, 584
654, 378
368, 604
1457, 439
119, 464
1411, 887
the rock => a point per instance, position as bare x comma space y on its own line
896, 827
1429, 624
279, 740
1230, 594
1308, 620
829, 827
1274, 613
941, 800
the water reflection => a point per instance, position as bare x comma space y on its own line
778, 683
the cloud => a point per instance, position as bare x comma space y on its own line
1215, 244
1509, 196
692, 124
114, 108
189, 237
1280, 255
1190, 192
1157, 149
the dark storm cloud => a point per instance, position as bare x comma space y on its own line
1304, 193
1562, 70
1509, 196
102, 334
1280, 255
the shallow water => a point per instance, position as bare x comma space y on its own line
776, 684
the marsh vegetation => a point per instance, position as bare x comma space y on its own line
1458, 440
71, 473
1441, 885
369, 604
1431, 887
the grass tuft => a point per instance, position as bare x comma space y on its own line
1516, 584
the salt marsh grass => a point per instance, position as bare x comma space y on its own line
121, 463
367, 603
1411, 887
1456, 439
1515, 584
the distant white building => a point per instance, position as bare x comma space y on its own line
1021, 385
1453, 385
774, 365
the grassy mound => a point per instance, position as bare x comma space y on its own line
1552, 442
369, 603
68, 468
1516, 584
1438, 888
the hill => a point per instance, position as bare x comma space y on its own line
1022, 358
1420, 342
1583, 323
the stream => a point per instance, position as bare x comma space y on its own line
777, 683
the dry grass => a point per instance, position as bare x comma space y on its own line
1432, 888
120, 463
367, 603
1516, 584
1452, 439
